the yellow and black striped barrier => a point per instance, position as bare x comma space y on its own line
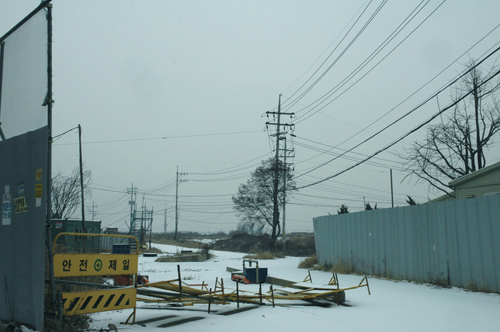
77, 303
96, 264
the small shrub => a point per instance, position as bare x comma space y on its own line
75, 323
474, 287
438, 281
309, 263
342, 267
205, 250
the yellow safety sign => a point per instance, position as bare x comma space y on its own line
79, 265
77, 303
21, 204
38, 190
38, 174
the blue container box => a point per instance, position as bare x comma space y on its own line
251, 274
121, 249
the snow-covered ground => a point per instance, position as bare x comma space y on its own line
392, 306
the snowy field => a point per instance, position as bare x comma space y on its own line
392, 306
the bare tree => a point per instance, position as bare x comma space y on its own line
343, 209
410, 200
368, 207
456, 146
66, 193
255, 198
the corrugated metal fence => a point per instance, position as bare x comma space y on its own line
457, 241
107, 242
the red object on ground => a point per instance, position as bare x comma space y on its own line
239, 278
127, 280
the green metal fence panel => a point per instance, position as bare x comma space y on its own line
454, 241
22, 235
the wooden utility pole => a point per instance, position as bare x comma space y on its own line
284, 198
176, 201
285, 173
132, 191
81, 177
177, 181
278, 124
276, 217
151, 227
478, 133
165, 222
392, 191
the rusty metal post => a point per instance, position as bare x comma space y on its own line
210, 300
272, 294
180, 282
257, 272
223, 297
237, 295
367, 285
260, 293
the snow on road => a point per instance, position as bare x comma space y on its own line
392, 306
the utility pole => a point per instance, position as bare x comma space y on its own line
476, 113
165, 222
284, 197
94, 206
81, 177
151, 227
286, 151
143, 217
278, 124
177, 181
392, 191
132, 191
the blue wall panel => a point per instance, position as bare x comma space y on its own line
456, 241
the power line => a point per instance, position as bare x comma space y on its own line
231, 169
358, 69
328, 69
410, 112
407, 134
164, 137
377, 164
427, 83
340, 55
340, 33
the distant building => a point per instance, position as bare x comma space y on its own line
75, 226
484, 182
111, 230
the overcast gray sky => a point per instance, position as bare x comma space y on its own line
156, 84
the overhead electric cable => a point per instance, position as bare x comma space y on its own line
330, 93
405, 135
287, 107
427, 83
328, 57
408, 113
348, 157
165, 137
229, 170
331, 148
340, 33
